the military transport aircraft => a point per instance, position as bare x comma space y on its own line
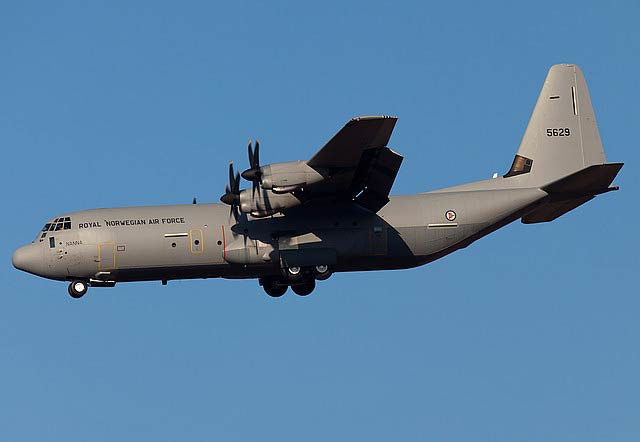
301, 221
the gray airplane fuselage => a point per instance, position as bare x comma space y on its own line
204, 241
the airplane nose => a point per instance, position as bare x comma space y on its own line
28, 258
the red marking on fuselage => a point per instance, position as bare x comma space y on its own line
224, 245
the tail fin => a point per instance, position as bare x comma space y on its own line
562, 136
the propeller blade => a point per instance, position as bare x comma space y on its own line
232, 190
256, 156
250, 152
231, 174
236, 184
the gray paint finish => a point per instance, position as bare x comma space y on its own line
329, 227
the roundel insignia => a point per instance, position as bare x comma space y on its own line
450, 215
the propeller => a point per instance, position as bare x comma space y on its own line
232, 192
254, 173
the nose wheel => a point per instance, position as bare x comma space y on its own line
77, 289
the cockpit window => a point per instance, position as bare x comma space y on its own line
61, 223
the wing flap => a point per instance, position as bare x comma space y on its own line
375, 176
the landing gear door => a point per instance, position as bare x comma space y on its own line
106, 257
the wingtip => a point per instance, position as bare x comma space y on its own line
374, 117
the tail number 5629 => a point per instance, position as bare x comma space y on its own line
560, 132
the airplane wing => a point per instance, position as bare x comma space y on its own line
356, 164
345, 148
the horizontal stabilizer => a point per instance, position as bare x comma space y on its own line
592, 180
553, 210
573, 191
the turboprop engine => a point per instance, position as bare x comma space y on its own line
289, 176
258, 202
273, 186
279, 177
262, 202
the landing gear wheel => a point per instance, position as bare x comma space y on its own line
272, 289
304, 288
77, 289
322, 272
293, 273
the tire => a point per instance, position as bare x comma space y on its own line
272, 289
305, 288
322, 272
293, 273
77, 289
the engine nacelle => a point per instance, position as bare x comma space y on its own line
263, 202
289, 176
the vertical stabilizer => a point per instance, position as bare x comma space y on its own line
562, 136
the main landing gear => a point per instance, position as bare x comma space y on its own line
78, 288
302, 280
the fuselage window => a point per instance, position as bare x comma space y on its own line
52, 242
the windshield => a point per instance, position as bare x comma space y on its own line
61, 223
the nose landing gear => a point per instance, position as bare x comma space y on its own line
77, 289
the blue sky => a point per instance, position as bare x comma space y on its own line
530, 334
